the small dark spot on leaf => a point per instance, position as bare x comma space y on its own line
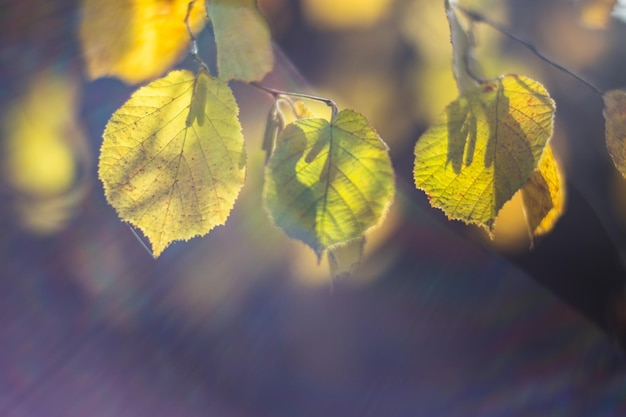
489, 87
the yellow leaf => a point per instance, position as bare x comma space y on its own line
136, 40
328, 183
483, 148
243, 40
544, 195
173, 160
615, 117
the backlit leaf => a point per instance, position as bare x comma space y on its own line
328, 183
136, 40
615, 117
544, 195
173, 160
484, 147
243, 39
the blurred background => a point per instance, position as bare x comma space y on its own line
437, 320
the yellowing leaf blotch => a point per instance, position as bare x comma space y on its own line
173, 160
242, 38
136, 40
328, 183
484, 147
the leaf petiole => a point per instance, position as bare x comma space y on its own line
193, 48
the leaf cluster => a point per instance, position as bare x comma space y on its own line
173, 157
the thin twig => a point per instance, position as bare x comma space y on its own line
477, 17
278, 93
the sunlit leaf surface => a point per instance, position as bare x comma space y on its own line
544, 195
173, 161
615, 117
243, 39
484, 147
136, 40
328, 183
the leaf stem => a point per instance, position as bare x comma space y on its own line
276, 94
477, 17
143, 244
193, 49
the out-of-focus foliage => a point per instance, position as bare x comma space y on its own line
563, 39
173, 158
615, 117
136, 40
344, 14
328, 183
243, 40
484, 147
596, 14
43, 152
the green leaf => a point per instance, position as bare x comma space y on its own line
615, 118
544, 195
484, 147
243, 40
328, 183
173, 161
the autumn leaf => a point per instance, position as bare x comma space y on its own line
242, 38
615, 118
484, 147
136, 40
172, 161
328, 183
544, 195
